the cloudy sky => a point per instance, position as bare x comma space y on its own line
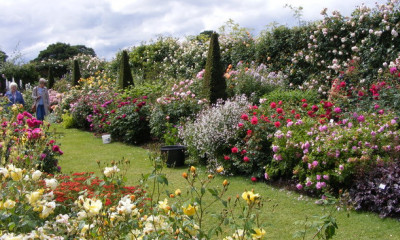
107, 26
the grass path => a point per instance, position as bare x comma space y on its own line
82, 150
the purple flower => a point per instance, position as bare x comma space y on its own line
299, 186
373, 133
318, 185
337, 110
309, 183
315, 163
326, 177
341, 167
393, 70
277, 157
361, 118
318, 177
266, 176
275, 148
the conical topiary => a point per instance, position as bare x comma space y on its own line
76, 74
51, 78
125, 78
214, 85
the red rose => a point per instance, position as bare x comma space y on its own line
234, 150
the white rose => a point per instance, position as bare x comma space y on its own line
51, 183
36, 175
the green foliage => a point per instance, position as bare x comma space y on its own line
292, 96
214, 81
63, 51
125, 75
25, 72
3, 57
76, 74
253, 81
51, 78
68, 121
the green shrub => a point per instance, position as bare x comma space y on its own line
125, 78
214, 81
76, 75
293, 96
68, 121
253, 80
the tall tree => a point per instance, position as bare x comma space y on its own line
76, 73
51, 78
125, 78
214, 85
63, 51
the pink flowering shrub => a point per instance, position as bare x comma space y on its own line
327, 156
125, 118
25, 142
182, 103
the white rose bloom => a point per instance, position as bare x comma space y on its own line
108, 171
51, 183
36, 175
81, 215
4, 172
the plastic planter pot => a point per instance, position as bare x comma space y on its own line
175, 155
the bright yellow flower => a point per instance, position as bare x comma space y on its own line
250, 197
225, 182
220, 169
16, 174
259, 233
164, 205
9, 204
92, 206
192, 169
178, 192
190, 210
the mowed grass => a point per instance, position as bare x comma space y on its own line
82, 150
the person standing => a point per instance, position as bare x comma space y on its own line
40, 95
14, 95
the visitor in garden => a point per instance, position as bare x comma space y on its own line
14, 95
40, 95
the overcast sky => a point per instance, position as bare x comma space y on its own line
108, 26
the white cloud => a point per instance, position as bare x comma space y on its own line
110, 25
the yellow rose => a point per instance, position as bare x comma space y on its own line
92, 206
259, 233
178, 192
9, 204
220, 169
192, 169
225, 183
250, 197
189, 210
33, 197
16, 174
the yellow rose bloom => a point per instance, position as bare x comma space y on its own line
9, 204
92, 206
220, 169
259, 233
189, 210
250, 197
16, 174
192, 169
178, 192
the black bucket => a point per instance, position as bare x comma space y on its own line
175, 155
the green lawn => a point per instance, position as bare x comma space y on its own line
82, 150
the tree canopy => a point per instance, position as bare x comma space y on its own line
63, 51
